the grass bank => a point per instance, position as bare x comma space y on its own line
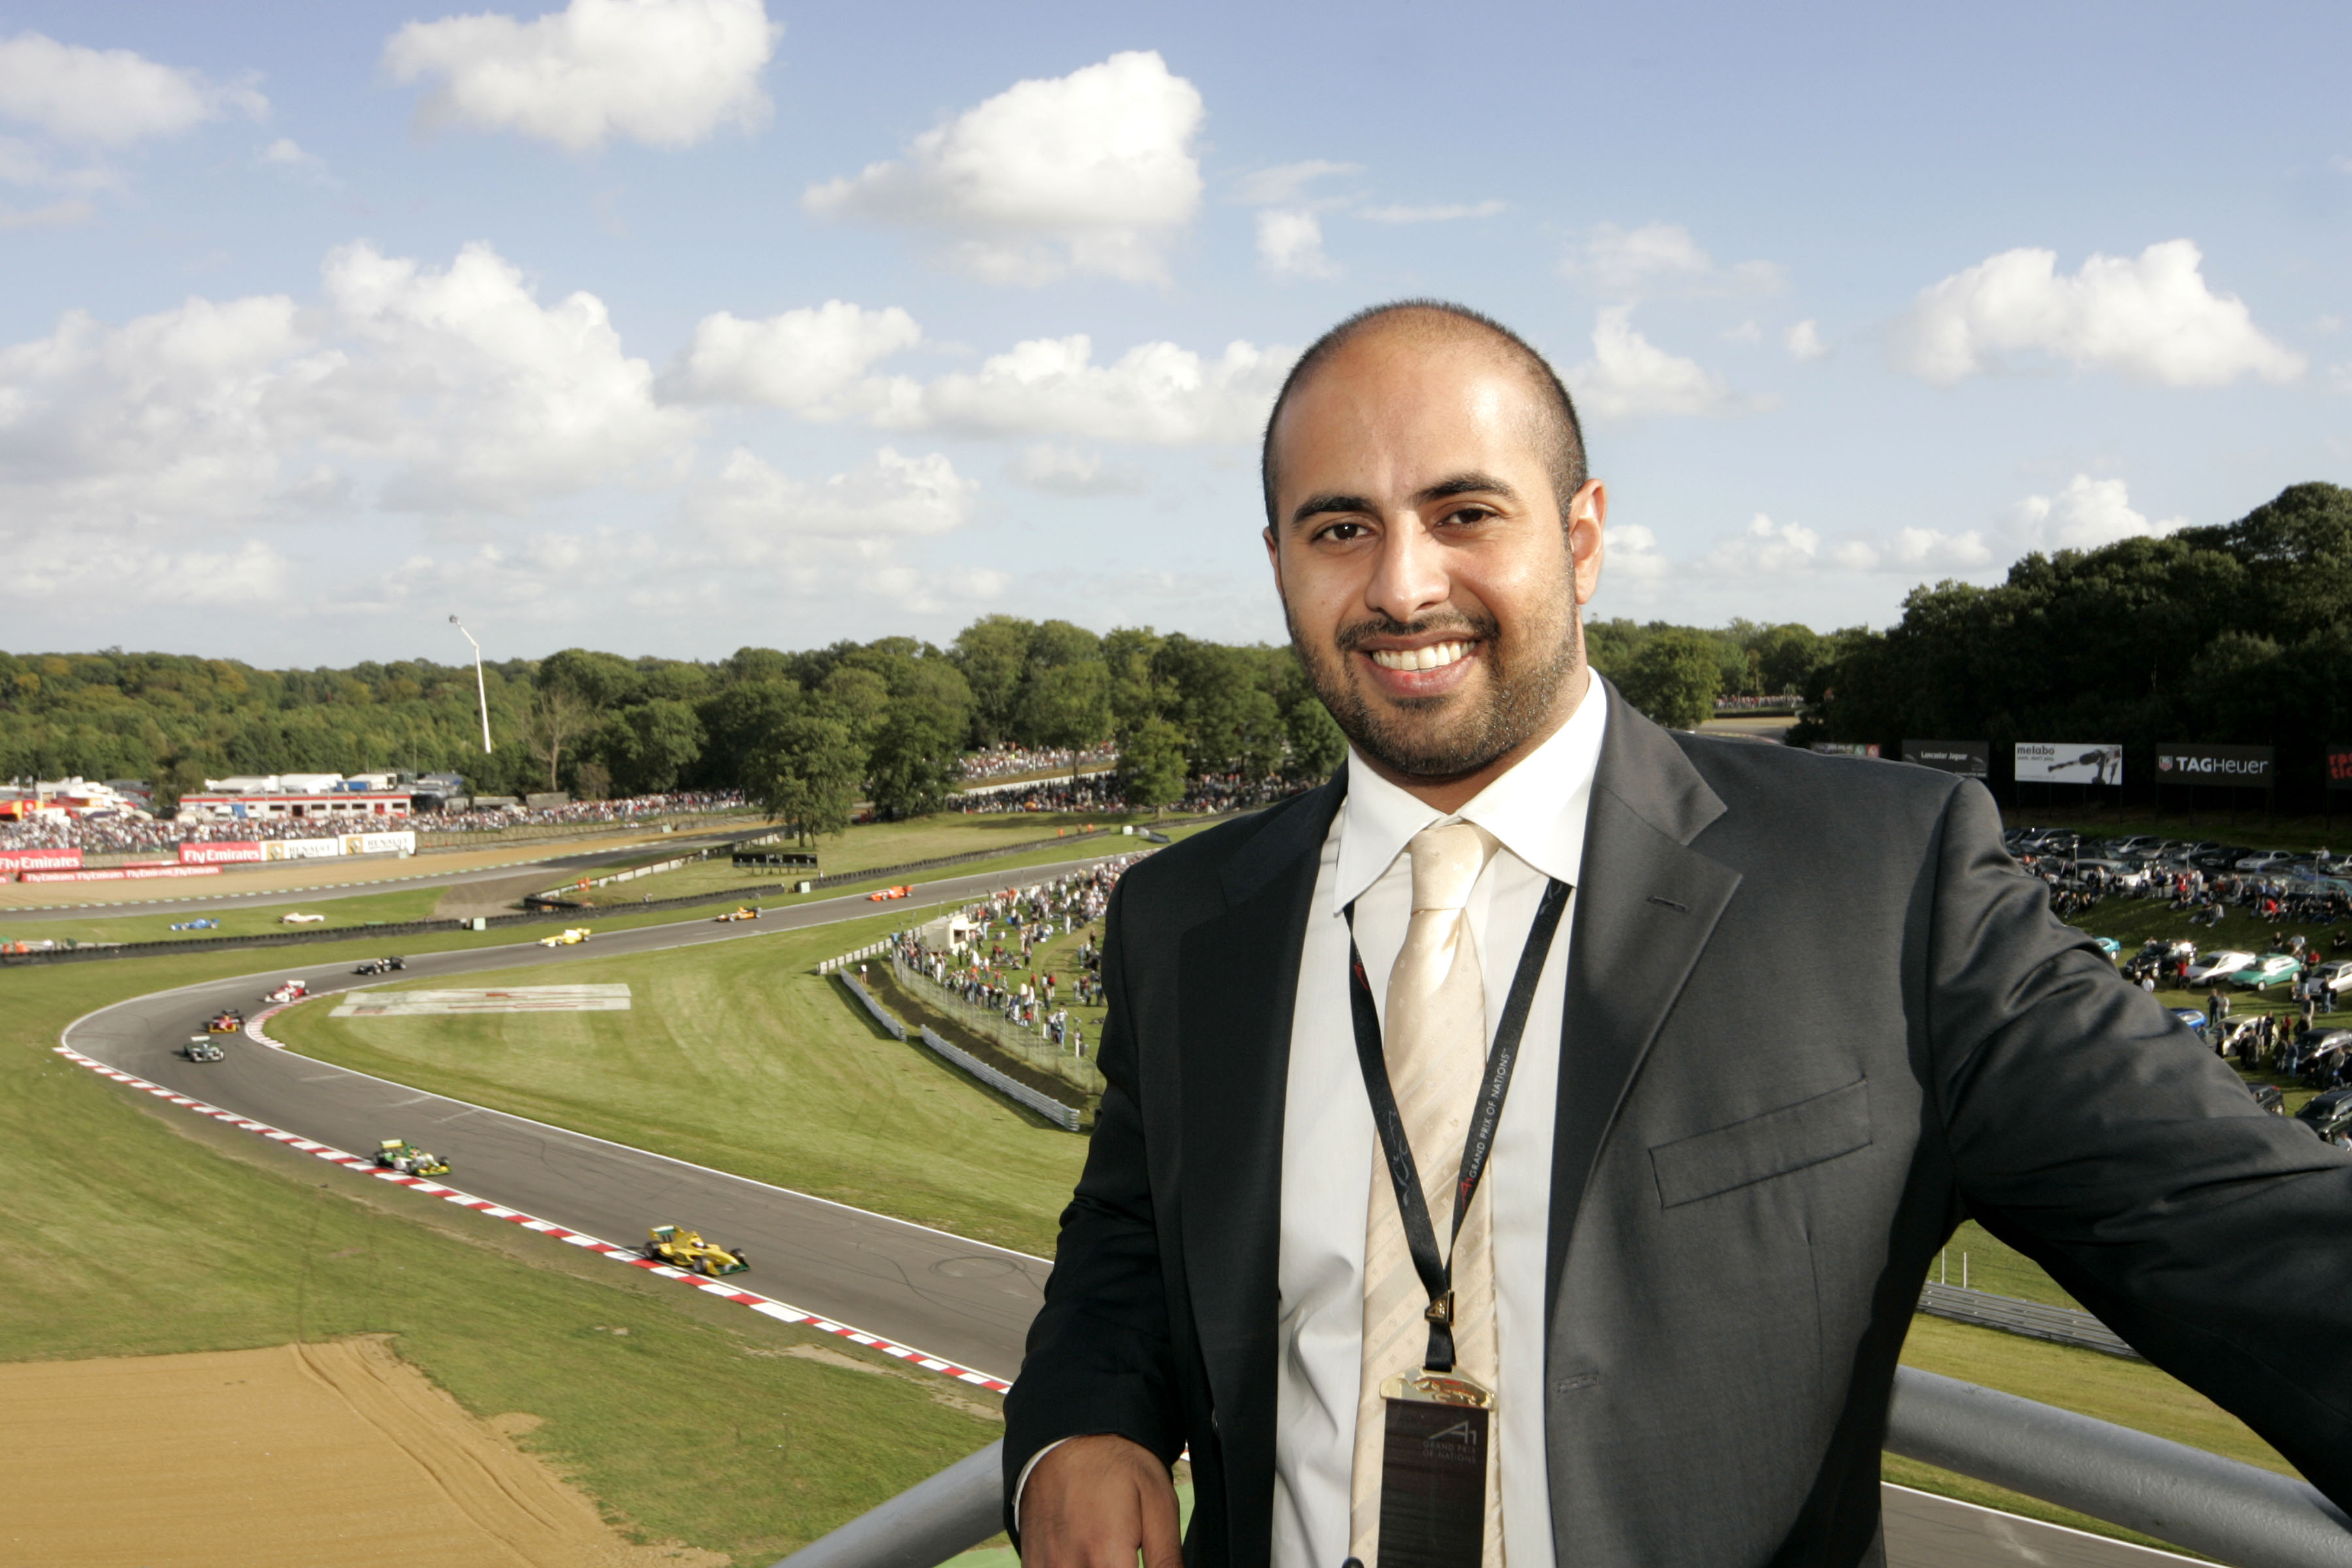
140, 1230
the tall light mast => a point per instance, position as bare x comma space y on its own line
481, 693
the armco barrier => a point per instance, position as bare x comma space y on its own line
2062, 1325
897, 1031
1013, 1088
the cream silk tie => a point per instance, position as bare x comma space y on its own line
1434, 1037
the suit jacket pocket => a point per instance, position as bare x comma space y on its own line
1762, 1147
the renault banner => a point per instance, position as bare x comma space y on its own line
1969, 759
2070, 762
302, 848
2240, 767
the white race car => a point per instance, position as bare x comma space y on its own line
296, 918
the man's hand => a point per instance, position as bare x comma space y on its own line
1095, 1502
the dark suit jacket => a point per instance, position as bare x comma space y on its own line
1815, 1016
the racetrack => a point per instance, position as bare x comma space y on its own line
959, 1301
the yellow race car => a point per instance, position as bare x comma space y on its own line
685, 1249
570, 936
399, 1154
745, 912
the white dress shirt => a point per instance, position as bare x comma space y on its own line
1538, 812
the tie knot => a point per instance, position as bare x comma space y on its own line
1446, 860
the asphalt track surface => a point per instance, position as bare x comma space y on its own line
959, 1301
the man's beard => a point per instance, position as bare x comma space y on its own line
1520, 691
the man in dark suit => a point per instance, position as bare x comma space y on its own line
1801, 1015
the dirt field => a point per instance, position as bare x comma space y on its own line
285, 1458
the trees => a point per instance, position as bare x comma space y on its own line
993, 655
915, 762
805, 773
1151, 764
552, 718
1066, 705
1675, 677
649, 747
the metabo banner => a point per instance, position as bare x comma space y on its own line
219, 854
2070, 762
2339, 767
1969, 759
2239, 767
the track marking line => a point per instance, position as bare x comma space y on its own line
767, 1306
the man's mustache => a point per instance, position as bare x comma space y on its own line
1352, 638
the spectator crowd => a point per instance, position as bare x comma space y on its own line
132, 834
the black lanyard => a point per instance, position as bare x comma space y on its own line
1420, 1236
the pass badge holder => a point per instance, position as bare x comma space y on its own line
1439, 1430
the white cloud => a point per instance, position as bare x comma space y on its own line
1156, 393
1290, 244
108, 97
1285, 183
291, 160
55, 215
752, 512
813, 361
1805, 344
1634, 262
668, 73
2151, 318
1629, 377
1090, 172
1764, 549
1453, 214
2084, 515
1067, 472
1914, 550
1632, 551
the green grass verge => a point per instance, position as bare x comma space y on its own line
140, 1230
736, 1056
135, 925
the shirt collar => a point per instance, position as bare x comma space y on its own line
1537, 809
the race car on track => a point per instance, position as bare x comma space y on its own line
380, 965
296, 918
203, 1048
889, 893
207, 924
293, 991
744, 914
570, 936
686, 1249
227, 1021
399, 1154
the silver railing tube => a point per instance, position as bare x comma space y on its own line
923, 1526
2246, 1517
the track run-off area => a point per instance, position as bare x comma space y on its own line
956, 1307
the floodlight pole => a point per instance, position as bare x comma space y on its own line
481, 693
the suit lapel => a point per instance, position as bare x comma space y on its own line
1238, 981
1647, 905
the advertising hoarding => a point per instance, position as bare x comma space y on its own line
2238, 767
2070, 762
404, 842
2339, 767
1845, 748
1969, 759
302, 849
39, 860
219, 854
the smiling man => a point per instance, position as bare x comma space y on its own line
1528, 1147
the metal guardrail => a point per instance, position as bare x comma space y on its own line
2062, 1325
2235, 1512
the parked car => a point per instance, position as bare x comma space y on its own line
2191, 1019
2270, 969
2268, 1096
2212, 968
2109, 946
2334, 978
2220, 857
2329, 1116
2265, 860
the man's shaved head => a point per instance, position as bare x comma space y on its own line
1559, 438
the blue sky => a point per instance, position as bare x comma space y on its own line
672, 325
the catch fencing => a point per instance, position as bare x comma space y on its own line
1044, 1105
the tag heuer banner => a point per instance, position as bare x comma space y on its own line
2242, 767
1969, 759
2070, 762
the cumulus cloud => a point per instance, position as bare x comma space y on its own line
51, 215
108, 97
1659, 256
290, 159
668, 73
1290, 244
2151, 318
1629, 377
1090, 172
1454, 213
752, 512
813, 361
2084, 515
1805, 344
1156, 393
1067, 472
